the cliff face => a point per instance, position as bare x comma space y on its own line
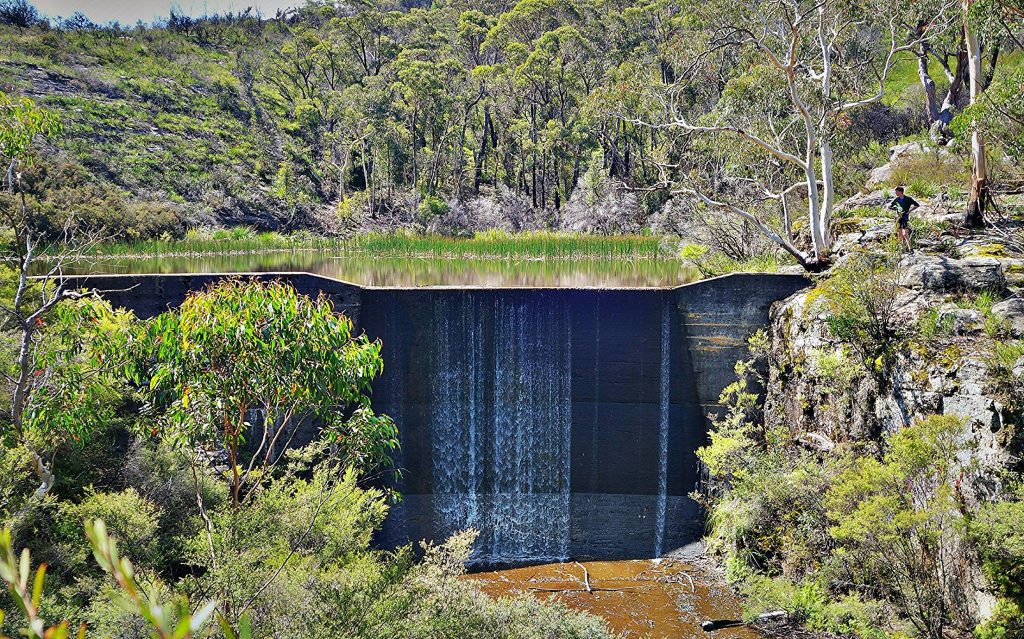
954, 348
815, 385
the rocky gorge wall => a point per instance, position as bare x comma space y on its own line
958, 350
561, 423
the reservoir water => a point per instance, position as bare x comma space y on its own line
388, 272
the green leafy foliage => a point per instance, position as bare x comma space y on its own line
247, 358
21, 122
25, 588
861, 297
77, 385
999, 530
842, 540
237, 117
900, 521
294, 554
811, 604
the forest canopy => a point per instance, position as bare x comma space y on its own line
461, 116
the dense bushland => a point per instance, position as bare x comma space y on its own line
216, 462
180, 434
873, 533
465, 116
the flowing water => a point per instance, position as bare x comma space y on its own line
370, 270
500, 458
640, 598
664, 393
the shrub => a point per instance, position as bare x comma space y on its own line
431, 208
1001, 361
928, 172
18, 13
711, 263
95, 208
861, 297
16, 486
766, 509
922, 188
998, 531
206, 366
446, 606
934, 324
834, 368
809, 603
130, 518
898, 523
1007, 622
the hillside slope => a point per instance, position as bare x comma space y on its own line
455, 117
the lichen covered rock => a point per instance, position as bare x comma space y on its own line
940, 273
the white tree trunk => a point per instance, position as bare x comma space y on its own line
829, 200
979, 173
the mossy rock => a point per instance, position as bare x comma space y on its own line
991, 250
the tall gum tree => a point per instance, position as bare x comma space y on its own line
979, 172
983, 20
832, 57
58, 378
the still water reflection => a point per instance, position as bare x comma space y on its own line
369, 270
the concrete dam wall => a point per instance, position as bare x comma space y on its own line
560, 423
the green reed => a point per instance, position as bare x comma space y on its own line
490, 244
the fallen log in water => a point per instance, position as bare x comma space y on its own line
718, 624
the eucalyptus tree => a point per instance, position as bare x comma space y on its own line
818, 61
60, 381
1000, 114
985, 22
945, 48
979, 194
247, 360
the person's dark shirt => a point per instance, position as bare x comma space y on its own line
903, 206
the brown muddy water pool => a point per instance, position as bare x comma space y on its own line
638, 598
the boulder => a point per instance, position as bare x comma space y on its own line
963, 321
869, 235
879, 176
940, 273
1012, 310
1018, 368
908, 149
978, 410
861, 200
1013, 268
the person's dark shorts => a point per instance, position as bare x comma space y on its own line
904, 222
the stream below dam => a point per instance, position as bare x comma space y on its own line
656, 599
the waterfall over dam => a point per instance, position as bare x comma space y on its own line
559, 423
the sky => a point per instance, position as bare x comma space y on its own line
131, 11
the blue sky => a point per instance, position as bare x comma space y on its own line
131, 11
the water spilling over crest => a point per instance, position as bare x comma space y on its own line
664, 398
501, 446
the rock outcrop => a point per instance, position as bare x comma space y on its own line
822, 389
1012, 311
940, 273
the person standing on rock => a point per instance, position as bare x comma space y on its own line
904, 205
